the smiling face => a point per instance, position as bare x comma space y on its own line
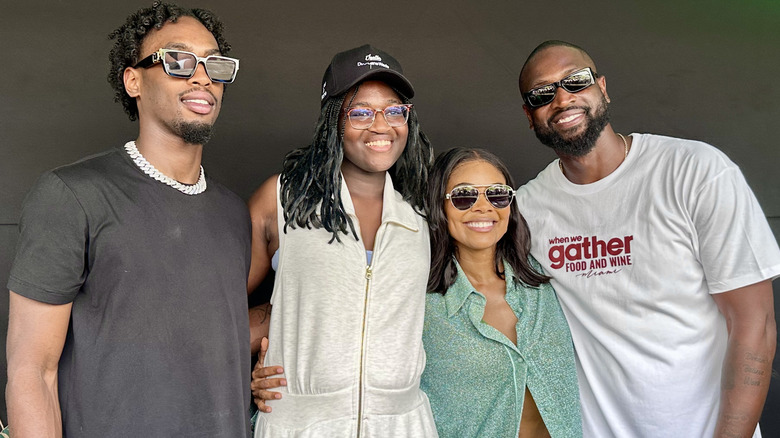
480, 227
377, 148
186, 108
572, 122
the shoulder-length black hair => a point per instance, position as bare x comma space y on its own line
514, 246
311, 185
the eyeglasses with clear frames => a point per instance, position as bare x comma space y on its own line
181, 64
363, 118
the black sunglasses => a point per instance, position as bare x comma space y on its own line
465, 196
181, 64
573, 83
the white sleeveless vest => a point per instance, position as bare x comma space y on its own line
348, 334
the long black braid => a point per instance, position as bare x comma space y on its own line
311, 175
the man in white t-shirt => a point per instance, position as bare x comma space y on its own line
662, 260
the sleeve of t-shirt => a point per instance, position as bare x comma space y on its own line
50, 262
736, 245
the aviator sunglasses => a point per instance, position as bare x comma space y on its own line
181, 64
465, 196
363, 118
573, 83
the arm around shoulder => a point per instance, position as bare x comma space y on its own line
36, 335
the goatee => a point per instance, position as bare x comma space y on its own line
194, 133
582, 144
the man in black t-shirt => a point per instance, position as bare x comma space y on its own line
128, 310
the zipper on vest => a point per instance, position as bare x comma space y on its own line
363, 353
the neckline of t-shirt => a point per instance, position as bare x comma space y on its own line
607, 181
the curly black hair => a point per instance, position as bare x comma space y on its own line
130, 36
311, 182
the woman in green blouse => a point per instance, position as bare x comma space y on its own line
500, 360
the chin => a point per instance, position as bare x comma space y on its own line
379, 166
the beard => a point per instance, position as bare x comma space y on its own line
193, 133
580, 145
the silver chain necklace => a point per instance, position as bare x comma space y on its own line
147, 168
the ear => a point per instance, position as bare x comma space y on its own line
132, 79
527, 112
602, 82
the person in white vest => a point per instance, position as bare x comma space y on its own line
662, 260
343, 228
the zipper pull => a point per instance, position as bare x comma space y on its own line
368, 272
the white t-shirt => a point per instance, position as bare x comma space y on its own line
634, 258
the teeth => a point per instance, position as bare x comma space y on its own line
568, 119
378, 143
479, 224
200, 101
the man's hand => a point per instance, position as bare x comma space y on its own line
259, 324
261, 381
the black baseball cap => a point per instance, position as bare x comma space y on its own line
348, 68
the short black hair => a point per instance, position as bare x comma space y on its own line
545, 45
130, 36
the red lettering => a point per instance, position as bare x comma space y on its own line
590, 248
556, 256
615, 246
576, 255
596, 244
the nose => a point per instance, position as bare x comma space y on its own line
380, 123
200, 76
562, 98
482, 203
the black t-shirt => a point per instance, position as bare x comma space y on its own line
158, 342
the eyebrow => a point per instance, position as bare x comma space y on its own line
185, 47
481, 185
388, 101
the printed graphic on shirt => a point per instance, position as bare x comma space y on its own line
590, 256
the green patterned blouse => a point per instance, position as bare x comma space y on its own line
476, 377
